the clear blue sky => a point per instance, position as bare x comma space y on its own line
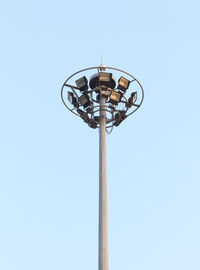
49, 158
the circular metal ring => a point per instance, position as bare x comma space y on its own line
92, 100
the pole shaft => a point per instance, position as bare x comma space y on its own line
103, 226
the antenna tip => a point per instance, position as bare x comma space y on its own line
102, 66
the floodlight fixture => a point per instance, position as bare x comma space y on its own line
120, 116
84, 100
102, 79
72, 99
115, 97
82, 83
105, 78
132, 99
123, 84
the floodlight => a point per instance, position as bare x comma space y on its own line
84, 100
82, 83
132, 99
105, 78
115, 97
123, 84
121, 114
72, 99
102, 79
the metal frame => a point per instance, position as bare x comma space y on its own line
95, 105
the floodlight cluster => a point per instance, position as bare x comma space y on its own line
84, 98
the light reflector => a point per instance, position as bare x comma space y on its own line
71, 98
123, 84
132, 99
115, 97
84, 100
105, 77
82, 83
102, 79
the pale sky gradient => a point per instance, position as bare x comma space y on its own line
49, 157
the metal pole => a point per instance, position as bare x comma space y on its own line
103, 226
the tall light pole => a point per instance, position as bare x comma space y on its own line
101, 104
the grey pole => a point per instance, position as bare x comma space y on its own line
103, 226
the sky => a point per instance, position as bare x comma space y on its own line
49, 157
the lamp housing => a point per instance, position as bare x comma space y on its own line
102, 79
123, 84
132, 99
115, 97
72, 99
121, 114
84, 100
105, 78
82, 83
